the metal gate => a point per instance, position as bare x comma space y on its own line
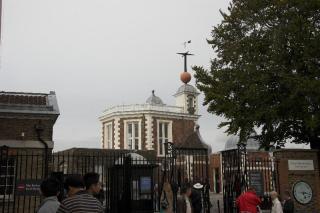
242, 168
137, 178
142, 184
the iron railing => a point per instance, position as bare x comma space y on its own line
132, 177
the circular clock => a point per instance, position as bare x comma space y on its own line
302, 192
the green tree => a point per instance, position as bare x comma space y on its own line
265, 75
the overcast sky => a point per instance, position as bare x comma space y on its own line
100, 53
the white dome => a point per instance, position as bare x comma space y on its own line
154, 100
187, 88
232, 142
136, 159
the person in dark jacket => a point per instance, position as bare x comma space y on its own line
196, 198
288, 204
248, 201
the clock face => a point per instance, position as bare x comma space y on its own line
302, 192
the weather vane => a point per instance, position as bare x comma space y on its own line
185, 77
184, 55
185, 43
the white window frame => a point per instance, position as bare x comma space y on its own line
126, 137
190, 101
108, 136
169, 138
8, 197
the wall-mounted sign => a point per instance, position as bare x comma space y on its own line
256, 181
28, 187
299, 165
145, 185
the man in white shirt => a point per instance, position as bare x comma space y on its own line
276, 205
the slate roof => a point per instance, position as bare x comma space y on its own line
30, 103
195, 141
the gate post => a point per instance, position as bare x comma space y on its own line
300, 166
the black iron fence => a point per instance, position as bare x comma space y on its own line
132, 181
241, 169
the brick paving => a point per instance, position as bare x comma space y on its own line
214, 198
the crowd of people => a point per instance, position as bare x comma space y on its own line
249, 202
190, 200
80, 195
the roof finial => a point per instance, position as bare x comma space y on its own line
152, 92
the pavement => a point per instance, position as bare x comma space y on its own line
216, 201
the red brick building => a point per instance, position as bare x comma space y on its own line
149, 126
26, 125
27, 119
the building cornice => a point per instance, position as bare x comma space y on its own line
139, 109
26, 144
152, 113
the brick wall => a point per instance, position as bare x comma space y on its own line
215, 165
258, 156
181, 129
12, 128
287, 178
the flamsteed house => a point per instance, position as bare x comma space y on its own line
150, 125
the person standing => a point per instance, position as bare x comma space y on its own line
94, 186
248, 201
276, 205
288, 204
196, 198
79, 200
92, 183
183, 202
50, 190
